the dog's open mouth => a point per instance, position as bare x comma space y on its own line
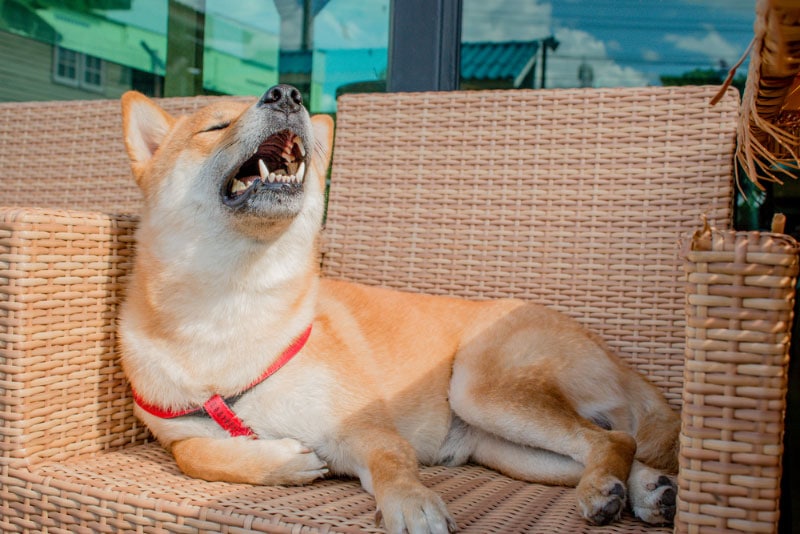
277, 165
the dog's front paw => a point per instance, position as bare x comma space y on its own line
292, 463
652, 495
601, 499
416, 510
249, 461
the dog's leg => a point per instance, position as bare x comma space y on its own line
388, 468
525, 463
513, 405
250, 461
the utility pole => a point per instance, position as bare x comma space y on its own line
552, 44
308, 26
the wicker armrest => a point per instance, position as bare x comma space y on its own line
62, 391
740, 297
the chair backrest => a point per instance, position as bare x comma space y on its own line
572, 198
70, 155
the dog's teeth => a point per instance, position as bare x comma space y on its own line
262, 169
238, 185
299, 143
301, 171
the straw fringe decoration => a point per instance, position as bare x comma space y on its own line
740, 298
769, 127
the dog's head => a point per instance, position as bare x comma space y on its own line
254, 168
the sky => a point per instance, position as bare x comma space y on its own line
626, 42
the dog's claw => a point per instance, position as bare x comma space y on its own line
451, 525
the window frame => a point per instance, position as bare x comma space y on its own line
424, 45
82, 68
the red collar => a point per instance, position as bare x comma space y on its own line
218, 408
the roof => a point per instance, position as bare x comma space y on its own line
508, 60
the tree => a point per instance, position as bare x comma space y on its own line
703, 77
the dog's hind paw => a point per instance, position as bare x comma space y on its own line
602, 502
652, 495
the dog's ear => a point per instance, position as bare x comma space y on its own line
323, 145
144, 126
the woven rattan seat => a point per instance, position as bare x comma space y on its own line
579, 199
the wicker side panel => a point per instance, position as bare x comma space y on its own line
572, 198
62, 390
740, 294
72, 152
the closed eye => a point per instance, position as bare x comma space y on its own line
219, 126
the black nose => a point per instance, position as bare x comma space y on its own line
283, 97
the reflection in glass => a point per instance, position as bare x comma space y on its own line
607, 43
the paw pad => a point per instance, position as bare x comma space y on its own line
612, 508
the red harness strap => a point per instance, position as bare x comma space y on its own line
219, 408
225, 417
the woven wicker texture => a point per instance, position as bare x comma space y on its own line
71, 156
62, 392
141, 488
572, 198
74, 459
740, 299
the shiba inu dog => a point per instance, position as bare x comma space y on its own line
251, 368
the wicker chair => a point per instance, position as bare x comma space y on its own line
573, 198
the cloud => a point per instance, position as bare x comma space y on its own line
712, 45
650, 55
499, 20
352, 25
577, 47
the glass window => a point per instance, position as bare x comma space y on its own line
78, 70
92, 75
351, 39
66, 66
242, 42
602, 43
101, 48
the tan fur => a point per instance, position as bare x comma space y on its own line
387, 379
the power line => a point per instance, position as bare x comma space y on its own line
686, 61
